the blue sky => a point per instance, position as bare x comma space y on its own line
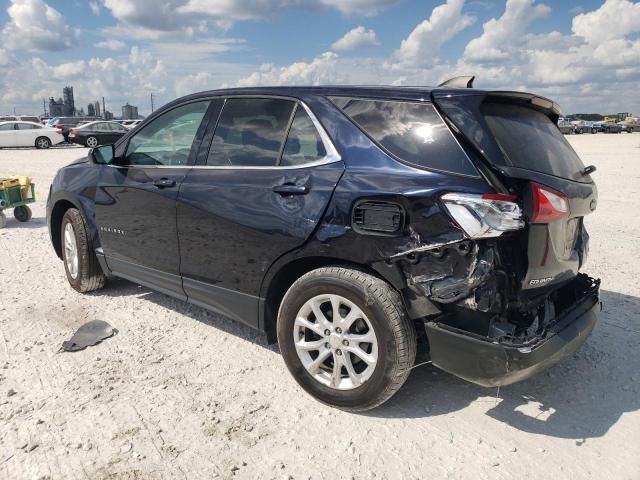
126, 49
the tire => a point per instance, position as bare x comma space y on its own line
383, 313
3, 219
85, 274
594, 131
22, 214
43, 143
91, 142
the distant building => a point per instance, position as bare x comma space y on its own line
96, 106
56, 107
69, 102
129, 112
108, 115
91, 110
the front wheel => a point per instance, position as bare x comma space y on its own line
81, 265
91, 142
42, 143
346, 338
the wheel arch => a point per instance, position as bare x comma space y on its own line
55, 222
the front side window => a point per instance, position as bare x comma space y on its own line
304, 144
6, 126
250, 132
412, 132
168, 139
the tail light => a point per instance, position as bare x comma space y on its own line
548, 205
484, 216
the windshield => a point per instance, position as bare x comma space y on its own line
530, 140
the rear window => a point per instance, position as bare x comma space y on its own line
412, 132
530, 140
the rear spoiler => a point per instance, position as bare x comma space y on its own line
459, 82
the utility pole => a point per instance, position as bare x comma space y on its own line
104, 109
44, 107
151, 102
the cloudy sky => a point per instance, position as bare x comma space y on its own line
585, 54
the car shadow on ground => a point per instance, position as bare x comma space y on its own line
580, 398
123, 288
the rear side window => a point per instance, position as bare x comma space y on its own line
304, 144
529, 139
412, 132
26, 126
250, 132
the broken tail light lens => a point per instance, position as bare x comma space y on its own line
548, 205
484, 216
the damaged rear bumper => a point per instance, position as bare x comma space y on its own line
489, 363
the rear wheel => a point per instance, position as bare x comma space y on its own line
91, 142
22, 213
43, 143
346, 337
80, 262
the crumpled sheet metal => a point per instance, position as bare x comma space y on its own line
89, 334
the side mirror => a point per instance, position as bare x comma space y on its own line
103, 154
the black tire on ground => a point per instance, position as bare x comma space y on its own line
91, 142
22, 213
594, 130
89, 276
383, 306
42, 143
3, 219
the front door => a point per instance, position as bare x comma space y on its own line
8, 135
269, 175
136, 198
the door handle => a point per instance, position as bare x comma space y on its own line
291, 189
164, 183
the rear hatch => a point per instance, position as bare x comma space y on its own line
517, 145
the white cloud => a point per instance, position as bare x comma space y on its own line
614, 19
358, 37
35, 26
175, 15
95, 7
501, 35
422, 46
111, 44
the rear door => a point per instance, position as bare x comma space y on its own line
516, 135
263, 181
136, 198
26, 134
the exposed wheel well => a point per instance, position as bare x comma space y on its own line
287, 275
55, 223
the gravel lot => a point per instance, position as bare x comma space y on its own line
182, 393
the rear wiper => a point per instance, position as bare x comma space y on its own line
588, 170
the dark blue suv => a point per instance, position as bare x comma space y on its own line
355, 225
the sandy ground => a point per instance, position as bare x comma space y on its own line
181, 393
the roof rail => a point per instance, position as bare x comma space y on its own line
459, 82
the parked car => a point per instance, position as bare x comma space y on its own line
611, 128
20, 118
566, 128
351, 224
582, 126
65, 124
28, 134
93, 134
630, 127
596, 127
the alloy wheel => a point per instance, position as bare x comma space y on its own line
71, 250
92, 142
335, 342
